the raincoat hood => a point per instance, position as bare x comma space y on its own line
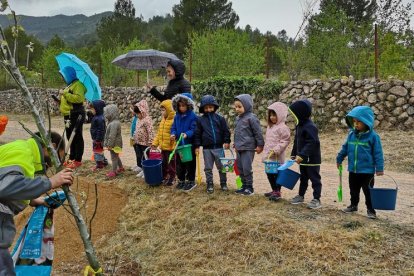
179, 68
69, 74
184, 97
98, 105
143, 108
167, 104
111, 112
301, 110
208, 100
246, 101
363, 114
281, 111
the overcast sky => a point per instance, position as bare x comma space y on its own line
266, 15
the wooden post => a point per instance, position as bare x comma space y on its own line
267, 57
376, 53
191, 63
137, 78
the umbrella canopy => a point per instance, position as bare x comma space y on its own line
83, 73
144, 59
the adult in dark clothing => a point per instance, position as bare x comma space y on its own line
177, 83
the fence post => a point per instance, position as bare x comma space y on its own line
267, 57
191, 62
376, 53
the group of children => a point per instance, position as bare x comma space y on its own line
211, 132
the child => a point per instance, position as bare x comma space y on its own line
212, 132
144, 133
162, 140
365, 157
276, 141
248, 139
306, 152
113, 139
133, 108
98, 133
185, 122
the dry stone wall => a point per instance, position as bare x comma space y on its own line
392, 101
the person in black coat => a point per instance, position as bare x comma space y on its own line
177, 83
98, 130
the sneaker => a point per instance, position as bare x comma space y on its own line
66, 163
247, 192
350, 209
297, 200
180, 185
275, 196
371, 214
111, 174
190, 186
134, 169
314, 204
169, 182
120, 170
96, 168
210, 188
224, 187
269, 194
72, 164
140, 174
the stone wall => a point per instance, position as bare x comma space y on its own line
392, 101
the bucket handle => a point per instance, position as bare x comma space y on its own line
395, 182
270, 154
146, 150
232, 154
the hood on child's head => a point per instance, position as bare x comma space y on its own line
363, 114
167, 104
246, 101
301, 110
178, 66
281, 111
98, 105
208, 100
68, 74
143, 108
111, 112
184, 97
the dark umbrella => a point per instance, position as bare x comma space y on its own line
144, 60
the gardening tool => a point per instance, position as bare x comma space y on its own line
198, 169
176, 146
339, 192
239, 182
286, 165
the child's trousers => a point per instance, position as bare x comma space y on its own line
139, 152
244, 165
358, 181
186, 170
310, 173
272, 180
116, 161
212, 156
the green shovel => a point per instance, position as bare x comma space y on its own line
176, 146
340, 184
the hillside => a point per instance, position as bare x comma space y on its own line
69, 28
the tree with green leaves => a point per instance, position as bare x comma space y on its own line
198, 16
224, 53
360, 11
121, 27
56, 42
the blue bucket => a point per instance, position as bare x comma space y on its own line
152, 171
287, 178
271, 167
383, 198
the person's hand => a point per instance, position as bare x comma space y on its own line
38, 201
197, 150
153, 147
149, 86
337, 165
184, 136
61, 178
259, 150
61, 91
172, 137
298, 159
226, 146
379, 173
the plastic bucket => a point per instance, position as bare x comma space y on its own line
153, 154
287, 178
383, 198
152, 171
184, 152
227, 163
271, 167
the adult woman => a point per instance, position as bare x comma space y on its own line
177, 83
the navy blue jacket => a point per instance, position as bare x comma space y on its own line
98, 128
306, 143
212, 129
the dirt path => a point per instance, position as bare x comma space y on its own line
404, 212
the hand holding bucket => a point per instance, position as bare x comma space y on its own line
176, 146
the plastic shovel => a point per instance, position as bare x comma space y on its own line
339, 192
198, 169
286, 165
176, 146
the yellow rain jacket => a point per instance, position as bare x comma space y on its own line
162, 139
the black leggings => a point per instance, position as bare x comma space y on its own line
77, 146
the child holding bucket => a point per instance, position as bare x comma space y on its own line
212, 133
134, 111
113, 139
98, 133
306, 152
144, 133
276, 141
248, 140
365, 157
185, 123
162, 140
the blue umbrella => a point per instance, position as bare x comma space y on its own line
83, 73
